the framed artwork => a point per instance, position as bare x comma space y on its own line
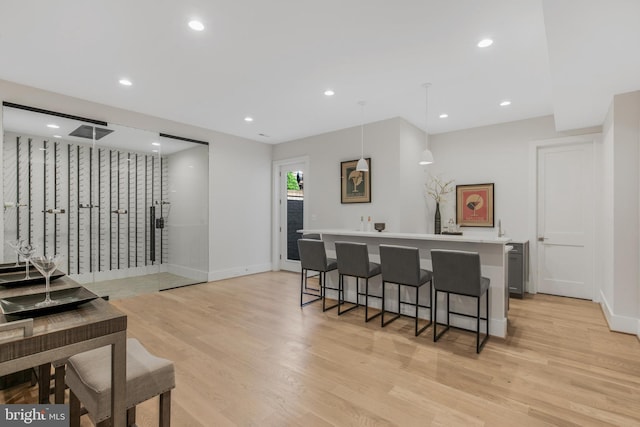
474, 205
355, 186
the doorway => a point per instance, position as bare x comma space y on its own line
290, 188
565, 219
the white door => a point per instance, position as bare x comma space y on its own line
291, 177
565, 220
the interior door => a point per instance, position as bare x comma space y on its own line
291, 214
565, 220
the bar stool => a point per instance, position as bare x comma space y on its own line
458, 272
353, 260
314, 257
89, 379
401, 266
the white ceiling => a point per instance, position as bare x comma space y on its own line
273, 60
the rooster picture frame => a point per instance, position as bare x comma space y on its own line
474, 205
355, 186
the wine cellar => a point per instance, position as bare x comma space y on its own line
104, 209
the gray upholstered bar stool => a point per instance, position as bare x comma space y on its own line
458, 272
353, 260
89, 379
401, 266
314, 257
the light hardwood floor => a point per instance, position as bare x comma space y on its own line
246, 354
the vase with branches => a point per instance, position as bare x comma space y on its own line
437, 189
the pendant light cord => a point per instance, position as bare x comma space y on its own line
361, 129
426, 114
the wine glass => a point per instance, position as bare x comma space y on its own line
26, 250
46, 265
15, 244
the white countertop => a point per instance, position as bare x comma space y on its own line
415, 236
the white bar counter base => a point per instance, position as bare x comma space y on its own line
493, 257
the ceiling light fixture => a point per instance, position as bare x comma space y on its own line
362, 165
427, 156
157, 144
196, 25
505, 103
57, 136
485, 43
125, 82
329, 92
444, 115
53, 126
248, 119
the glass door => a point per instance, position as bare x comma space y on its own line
127, 209
292, 214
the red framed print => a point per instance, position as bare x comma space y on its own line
474, 205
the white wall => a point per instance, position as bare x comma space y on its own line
240, 208
239, 179
621, 186
188, 212
498, 154
396, 189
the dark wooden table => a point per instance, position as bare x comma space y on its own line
62, 334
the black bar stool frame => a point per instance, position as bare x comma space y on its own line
353, 261
401, 266
313, 257
459, 274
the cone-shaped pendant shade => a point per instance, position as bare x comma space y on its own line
362, 165
426, 158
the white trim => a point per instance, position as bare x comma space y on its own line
190, 273
275, 218
238, 271
591, 138
629, 325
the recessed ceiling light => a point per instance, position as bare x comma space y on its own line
57, 136
53, 126
125, 82
444, 115
329, 92
248, 119
154, 151
485, 43
505, 103
196, 25
157, 144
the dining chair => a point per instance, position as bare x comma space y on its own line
90, 384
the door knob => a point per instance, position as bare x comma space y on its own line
541, 239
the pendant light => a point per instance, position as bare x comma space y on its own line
362, 165
426, 158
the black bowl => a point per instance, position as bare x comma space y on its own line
379, 226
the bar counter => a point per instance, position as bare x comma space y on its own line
493, 257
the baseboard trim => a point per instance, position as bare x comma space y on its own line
190, 273
238, 271
617, 323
